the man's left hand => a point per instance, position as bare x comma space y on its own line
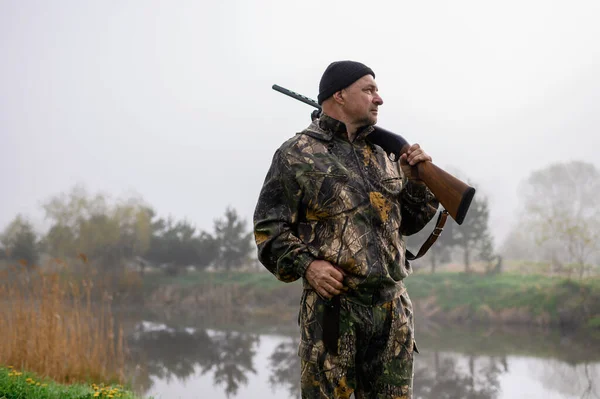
410, 159
414, 155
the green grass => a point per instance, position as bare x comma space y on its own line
539, 294
262, 280
594, 322
25, 385
557, 299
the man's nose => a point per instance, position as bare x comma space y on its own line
378, 100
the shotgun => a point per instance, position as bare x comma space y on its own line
454, 195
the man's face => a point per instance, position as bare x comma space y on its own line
362, 101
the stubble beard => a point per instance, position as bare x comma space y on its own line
368, 120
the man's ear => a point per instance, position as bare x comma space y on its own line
338, 97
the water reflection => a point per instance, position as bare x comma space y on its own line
439, 376
436, 375
164, 353
581, 381
237, 351
241, 363
284, 364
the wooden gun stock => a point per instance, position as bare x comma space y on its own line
454, 195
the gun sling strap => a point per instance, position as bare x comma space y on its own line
439, 226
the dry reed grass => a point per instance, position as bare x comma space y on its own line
51, 326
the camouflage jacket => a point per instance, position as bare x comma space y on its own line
327, 198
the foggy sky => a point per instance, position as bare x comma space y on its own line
173, 100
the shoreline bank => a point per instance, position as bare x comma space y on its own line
447, 297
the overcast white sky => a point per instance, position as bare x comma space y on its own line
173, 100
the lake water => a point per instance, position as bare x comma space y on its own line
454, 362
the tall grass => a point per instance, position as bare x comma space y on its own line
50, 325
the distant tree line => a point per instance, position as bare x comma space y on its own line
126, 232
558, 226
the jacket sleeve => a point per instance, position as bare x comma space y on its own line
418, 206
275, 219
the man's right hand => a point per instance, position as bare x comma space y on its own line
325, 278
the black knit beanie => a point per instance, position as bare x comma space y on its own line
339, 75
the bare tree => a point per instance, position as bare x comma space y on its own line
562, 210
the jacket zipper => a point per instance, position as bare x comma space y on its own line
379, 271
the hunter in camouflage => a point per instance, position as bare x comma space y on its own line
330, 196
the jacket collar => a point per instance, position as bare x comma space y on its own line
326, 127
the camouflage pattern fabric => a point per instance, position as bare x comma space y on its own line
347, 203
376, 344
327, 198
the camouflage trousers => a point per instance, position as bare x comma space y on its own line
375, 350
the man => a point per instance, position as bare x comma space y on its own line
333, 211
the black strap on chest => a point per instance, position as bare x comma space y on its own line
439, 226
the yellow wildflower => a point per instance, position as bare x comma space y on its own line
96, 394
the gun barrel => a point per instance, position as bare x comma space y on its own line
297, 96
